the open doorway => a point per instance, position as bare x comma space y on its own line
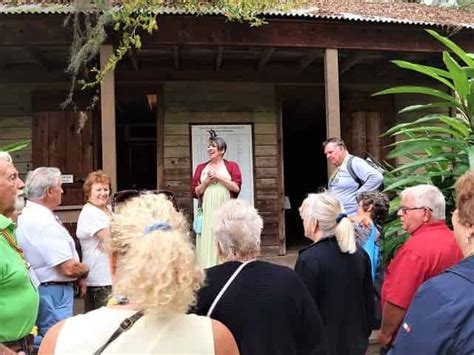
304, 130
136, 142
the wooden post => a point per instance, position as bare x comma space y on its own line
358, 133
107, 106
374, 130
160, 139
331, 85
281, 176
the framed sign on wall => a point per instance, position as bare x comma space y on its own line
239, 141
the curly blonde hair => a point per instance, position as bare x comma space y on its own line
155, 269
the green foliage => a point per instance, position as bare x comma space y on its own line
437, 146
92, 21
15, 146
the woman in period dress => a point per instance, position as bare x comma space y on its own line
214, 182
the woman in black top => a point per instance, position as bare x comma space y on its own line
337, 273
266, 307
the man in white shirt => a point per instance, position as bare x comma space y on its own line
49, 248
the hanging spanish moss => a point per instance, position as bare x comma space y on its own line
123, 24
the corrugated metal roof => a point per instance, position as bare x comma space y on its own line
362, 14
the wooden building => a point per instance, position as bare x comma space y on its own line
301, 78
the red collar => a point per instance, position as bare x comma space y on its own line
424, 228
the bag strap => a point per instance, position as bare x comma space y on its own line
126, 324
226, 286
352, 173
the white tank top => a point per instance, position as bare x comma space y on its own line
151, 334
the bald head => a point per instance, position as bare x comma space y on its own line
10, 184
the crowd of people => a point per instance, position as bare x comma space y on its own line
150, 287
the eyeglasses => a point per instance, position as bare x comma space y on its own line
125, 195
404, 210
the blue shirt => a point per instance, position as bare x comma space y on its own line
346, 189
440, 320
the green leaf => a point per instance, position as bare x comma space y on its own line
459, 76
420, 163
428, 118
420, 145
15, 146
453, 47
470, 152
426, 70
457, 124
434, 129
423, 90
429, 106
407, 181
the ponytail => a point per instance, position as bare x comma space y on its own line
345, 237
326, 209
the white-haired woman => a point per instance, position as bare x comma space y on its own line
154, 280
337, 273
265, 306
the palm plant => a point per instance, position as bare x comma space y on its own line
436, 147
15, 146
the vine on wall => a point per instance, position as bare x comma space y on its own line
94, 21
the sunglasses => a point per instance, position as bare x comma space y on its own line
125, 195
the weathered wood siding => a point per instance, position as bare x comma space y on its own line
204, 103
363, 119
16, 123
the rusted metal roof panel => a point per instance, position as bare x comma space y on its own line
395, 13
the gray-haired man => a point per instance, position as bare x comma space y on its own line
429, 250
49, 248
18, 295
352, 176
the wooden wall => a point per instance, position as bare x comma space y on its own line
363, 119
208, 102
16, 123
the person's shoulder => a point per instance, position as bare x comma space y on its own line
231, 163
274, 268
316, 248
443, 289
307, 251
220, 271
201, 166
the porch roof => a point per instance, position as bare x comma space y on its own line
347, 11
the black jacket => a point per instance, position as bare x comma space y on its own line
341, 286
267, 308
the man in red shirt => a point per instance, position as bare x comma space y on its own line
430, 249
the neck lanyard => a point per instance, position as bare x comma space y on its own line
334, 174
9, 237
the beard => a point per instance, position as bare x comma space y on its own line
20, 201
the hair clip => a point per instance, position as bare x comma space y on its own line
158, 225
212, 134
340, 216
